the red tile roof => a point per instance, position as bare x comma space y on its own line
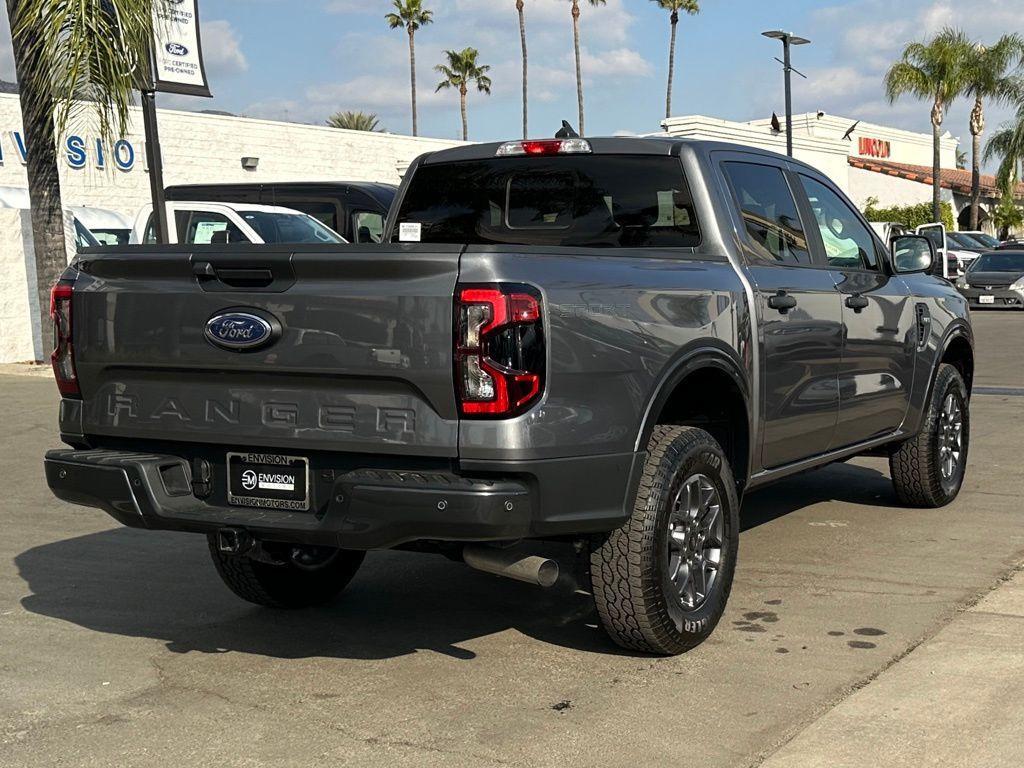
957, 179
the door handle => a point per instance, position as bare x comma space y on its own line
857, 303
782, 301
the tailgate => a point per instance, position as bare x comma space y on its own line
359, 357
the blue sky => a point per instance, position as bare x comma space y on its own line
303, 59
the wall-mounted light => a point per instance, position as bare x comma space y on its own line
250, 163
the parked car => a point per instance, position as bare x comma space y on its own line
985, 239
108, 227
995, 280
887, 230
202, 223
354, 209
1011, 244
604, 341
18, 198
953, 258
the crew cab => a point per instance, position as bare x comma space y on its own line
604, 341
203, 223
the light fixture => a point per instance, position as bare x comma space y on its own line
788, 40
250, 163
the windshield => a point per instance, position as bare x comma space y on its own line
290, 228
999, 262
986, 240
965, 241
611, 201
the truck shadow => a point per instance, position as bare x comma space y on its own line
163, 586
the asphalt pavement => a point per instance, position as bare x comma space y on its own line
121, 647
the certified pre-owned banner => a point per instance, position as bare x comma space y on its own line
177, 48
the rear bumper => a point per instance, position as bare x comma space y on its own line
366, 508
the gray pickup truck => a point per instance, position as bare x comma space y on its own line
606, 342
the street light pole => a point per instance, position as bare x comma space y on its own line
788, 41
787, 65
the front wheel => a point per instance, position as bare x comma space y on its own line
928, 470
662, 580
305, 576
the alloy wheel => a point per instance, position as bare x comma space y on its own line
951, 437
696, 531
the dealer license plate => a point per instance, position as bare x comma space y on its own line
268, 481
986, 299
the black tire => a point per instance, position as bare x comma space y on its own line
916, 465
314, 576
630, 568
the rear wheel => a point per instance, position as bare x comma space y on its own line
306, 576
662, 580
928, 470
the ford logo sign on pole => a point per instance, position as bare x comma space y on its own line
175, 67
239, 331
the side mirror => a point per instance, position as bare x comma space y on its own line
912, 254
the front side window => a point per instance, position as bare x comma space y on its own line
586, 201
205, 227
848, 242
769, 213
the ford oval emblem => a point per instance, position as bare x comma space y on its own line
176, 49
239, 331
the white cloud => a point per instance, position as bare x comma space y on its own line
222, 49
381, 83
852, 85
617, 64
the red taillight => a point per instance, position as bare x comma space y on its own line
63, 357
499, 350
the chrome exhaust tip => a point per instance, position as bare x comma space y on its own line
510, 564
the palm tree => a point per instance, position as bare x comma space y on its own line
1008, 147
1007, 217
355, 121
989, 77
691, 7
576, 45
461, 71
520, 7
410, 15
71, 58
934, 70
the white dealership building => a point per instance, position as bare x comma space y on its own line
874, 161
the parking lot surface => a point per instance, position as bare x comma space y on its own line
122, 647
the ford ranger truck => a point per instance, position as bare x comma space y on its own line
606, 342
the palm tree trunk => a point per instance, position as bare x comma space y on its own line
47, 212
671, 64
522, 36
465, 117
977, 128
412, 80
579, 67
936, 161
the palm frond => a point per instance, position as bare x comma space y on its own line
86, 57
355, 121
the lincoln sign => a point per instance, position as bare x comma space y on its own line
875, 147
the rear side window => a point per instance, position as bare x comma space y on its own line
610, 201
769, 213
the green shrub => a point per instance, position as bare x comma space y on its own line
911, 215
